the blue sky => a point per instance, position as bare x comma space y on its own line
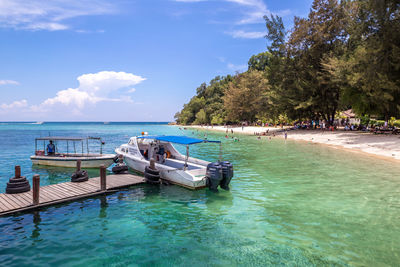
123, 60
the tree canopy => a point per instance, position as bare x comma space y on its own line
344, 54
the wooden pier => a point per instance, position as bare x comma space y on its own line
59, 193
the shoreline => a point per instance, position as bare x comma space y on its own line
382, 146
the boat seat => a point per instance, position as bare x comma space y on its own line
178, 164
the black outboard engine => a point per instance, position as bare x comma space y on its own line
227, 174
214, 174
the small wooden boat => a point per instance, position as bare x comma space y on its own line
79, 147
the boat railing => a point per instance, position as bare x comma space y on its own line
68, 140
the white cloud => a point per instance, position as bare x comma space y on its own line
5, 82
132, 90
48, 14
93, 88
253, 10
247, 35
71, 96
284, 13
16, 104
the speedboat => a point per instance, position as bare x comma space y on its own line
174, 167
77, 148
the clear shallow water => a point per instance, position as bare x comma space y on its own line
293, 203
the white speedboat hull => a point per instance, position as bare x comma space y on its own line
171, 169
195, 179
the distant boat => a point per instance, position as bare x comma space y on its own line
38, 122
106, 122
67, 159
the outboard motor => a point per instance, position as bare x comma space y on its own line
214, 174
227, 174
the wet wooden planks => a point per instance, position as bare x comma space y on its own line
63, 192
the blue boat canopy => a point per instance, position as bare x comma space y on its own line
183, 140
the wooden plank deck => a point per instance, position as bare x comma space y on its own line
64, 192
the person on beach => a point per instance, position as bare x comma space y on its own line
285, 135
51, 149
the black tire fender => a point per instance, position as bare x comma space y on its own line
82, 173
79, 174
17, 180
152, 177
17, 185
80, 179
120, 169
147, 169
18, 190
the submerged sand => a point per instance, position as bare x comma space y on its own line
377, 144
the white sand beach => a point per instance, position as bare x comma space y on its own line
248, 130
377, 144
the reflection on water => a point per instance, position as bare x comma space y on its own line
103, 206
36, 225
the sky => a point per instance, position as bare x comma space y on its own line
124, 60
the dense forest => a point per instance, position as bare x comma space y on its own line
345, 54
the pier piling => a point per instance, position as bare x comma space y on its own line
36, 189
17, 171
103, 182
78, 165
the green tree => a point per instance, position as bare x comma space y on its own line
246, 96
201, 117
207, 104
276, 68
372, 65
322, 35
260, 61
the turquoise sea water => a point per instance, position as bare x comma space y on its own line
290, 204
